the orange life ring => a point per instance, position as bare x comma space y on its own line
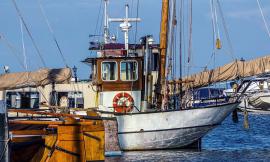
123, 102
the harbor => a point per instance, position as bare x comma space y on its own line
173, 87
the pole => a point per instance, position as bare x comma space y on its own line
163, 50
106, 22
181, 52
127, 29
4, 136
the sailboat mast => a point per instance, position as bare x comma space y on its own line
163, 46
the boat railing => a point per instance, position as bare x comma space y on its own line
215, 101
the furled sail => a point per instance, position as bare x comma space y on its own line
231, 71
40, 77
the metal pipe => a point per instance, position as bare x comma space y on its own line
146, 72
106, 22
126, 31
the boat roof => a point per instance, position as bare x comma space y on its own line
114, 46
91, 59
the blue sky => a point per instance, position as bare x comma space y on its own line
74, 20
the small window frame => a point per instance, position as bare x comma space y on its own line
137, 71
116, 71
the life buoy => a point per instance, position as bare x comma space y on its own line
123, 102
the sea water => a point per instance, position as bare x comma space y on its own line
228, 142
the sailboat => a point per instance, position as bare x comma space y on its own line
123, 77
257, 96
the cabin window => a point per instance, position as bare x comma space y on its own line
22, 100
109, 71
155, 59
68, 99
129, 71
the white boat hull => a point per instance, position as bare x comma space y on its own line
260, 100
168, 130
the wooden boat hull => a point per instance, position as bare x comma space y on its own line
169, 130
51, 141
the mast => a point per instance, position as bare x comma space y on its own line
106, 23
163, 49
125, 25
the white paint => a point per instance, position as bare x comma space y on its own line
256, 101
181, 127
106, 99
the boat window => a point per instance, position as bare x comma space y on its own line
68, 99
129, 70
22, 100
155, 59
109, 71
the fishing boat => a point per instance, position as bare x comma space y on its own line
130, 88
130, 82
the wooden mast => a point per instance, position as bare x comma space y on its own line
163, 48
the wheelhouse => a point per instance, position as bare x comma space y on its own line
119, 76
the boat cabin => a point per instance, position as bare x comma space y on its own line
119, 76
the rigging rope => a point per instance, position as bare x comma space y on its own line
181, 14
136, 23
52, 32
29, 33
12, 49
102, 18
215, 25
190, 36
263, 17
171, 40
226, 30
96, 27
23, 46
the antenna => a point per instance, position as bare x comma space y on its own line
125, 25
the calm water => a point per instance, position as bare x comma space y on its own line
228, 142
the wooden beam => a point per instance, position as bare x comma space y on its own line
28, 132
163, 50
40, 122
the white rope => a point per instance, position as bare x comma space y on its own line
263, 17
213, 17
216, 21
23, 47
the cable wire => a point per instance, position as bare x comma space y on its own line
23, 46
263, 17
52, 33
29, 33
226, 30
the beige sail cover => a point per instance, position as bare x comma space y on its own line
41, 77
229, 72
